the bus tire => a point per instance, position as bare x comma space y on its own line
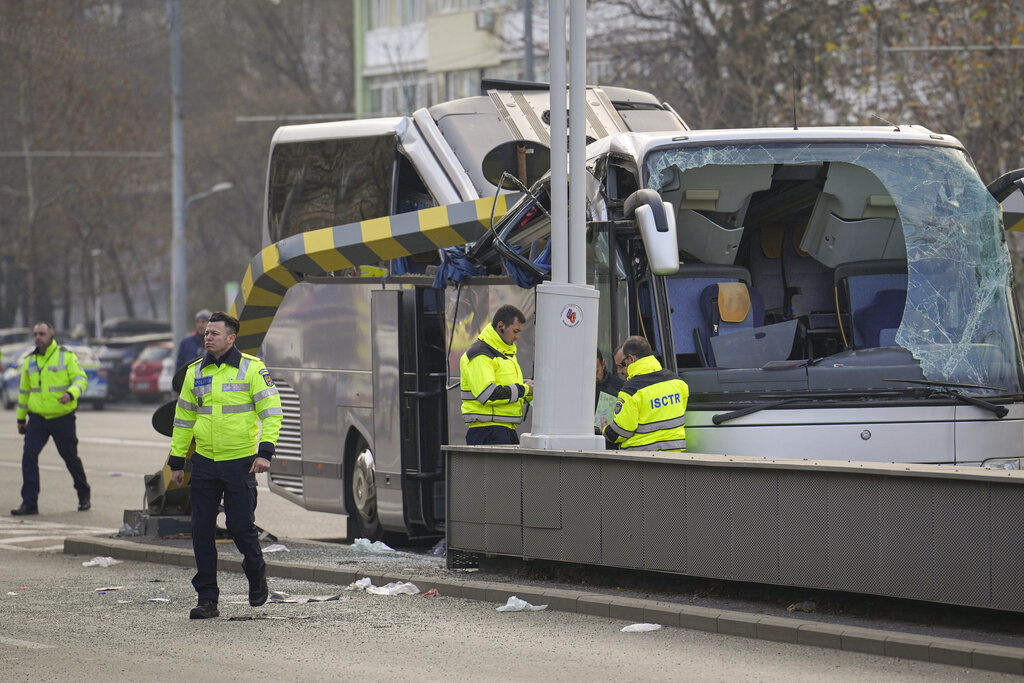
361, 498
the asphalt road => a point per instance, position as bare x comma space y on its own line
56, 625
119, 446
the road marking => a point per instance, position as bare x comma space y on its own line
106, 441
40, 536
14, 642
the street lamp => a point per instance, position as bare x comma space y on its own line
178, 272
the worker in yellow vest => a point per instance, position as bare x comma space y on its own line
229, 404
650, 414
494, 393
51, 382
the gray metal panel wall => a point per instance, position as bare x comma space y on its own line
937, 534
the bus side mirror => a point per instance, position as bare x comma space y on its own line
657, 223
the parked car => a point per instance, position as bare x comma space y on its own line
96, 388
13, 355
14, 335
117, 356
144, 379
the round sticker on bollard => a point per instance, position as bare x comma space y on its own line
571, 315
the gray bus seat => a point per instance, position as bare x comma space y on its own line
727, 308
809, 286
684, 292
765, 259
876, 323
856, 285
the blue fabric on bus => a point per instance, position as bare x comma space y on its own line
455, 267
523, 277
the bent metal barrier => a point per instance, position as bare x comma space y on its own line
280, 266
942, 534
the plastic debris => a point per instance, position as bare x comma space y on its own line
101, 562
123, 602
276, 548
432, 593
364, 545
805, 606
282, 598
115, 474
11, 593
640, 628
514, 604
360, 585
439, 548
109, 588
394, 588
158, 600
128, 530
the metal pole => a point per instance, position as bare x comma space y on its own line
178, 273
567, 313
98, 324
559, 144
577, 143
528, 40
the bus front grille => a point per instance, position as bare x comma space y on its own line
289, 440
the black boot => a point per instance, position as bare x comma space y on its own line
206, 609
258, 591
25, 510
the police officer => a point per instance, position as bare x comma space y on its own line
228, 401
650, 412
494, 393
51, 382
191, 347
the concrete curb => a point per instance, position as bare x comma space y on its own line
983, 656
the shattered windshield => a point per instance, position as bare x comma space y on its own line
957, 320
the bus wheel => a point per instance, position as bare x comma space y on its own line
363, 521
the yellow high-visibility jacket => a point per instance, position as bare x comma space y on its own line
493, 391
45, 377
225, 406
650, 414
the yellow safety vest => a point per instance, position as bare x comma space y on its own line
493, 391
224, 408
650, 412
45, 378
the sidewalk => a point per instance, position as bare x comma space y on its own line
341, 565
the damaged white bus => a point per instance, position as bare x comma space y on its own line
833, 293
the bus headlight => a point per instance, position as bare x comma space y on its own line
1002, 464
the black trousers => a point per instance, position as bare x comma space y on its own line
231, 481
495, 435
37, 432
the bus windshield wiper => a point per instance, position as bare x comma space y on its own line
802, 397
951, 389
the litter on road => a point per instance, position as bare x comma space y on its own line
276, 548
101, 562
515, 604
109, 588
282, 598
640, 628
364, 545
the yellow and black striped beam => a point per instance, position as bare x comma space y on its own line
274, 270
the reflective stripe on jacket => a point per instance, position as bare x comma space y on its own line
493, 391
225, 406
45, 378
650, 412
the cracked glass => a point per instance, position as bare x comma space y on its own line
957, 320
